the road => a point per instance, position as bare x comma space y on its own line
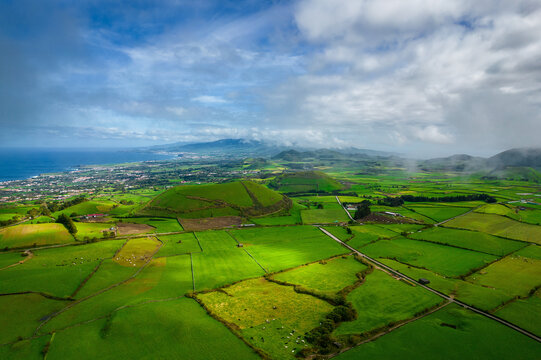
346, 210
460, 303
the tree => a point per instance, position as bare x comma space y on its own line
67, 222
363, 210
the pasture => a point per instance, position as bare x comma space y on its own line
472, 240
444, 260
57, 271
324, 216
327, 275
438, 213
271, 317
382, 299
498, 225
25, 236
281, 248
183, 325
452, 332
526, 274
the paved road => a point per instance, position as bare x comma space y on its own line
460, 303
346, 210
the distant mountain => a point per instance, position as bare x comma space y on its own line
224, 147
256, 148
514, 164
460, 162
529, 157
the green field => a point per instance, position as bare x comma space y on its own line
327, 276
444, 260
57, 271
526, 312
324, 216
382, 299
286, 247
465, 335
221, 262
178, 244
182, 325
269, 316
526, 274
482, 297
273, 285
161, 225
21, 236
498, 225
304, 181
473, 240
438, 213
92, 230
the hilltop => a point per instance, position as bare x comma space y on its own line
239, 198
305, 181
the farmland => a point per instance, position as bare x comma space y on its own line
239, 268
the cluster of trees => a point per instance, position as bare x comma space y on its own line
399, 201
58, 206
68, 223
13, 220
321, 337
363, 210
391, 201
456, 198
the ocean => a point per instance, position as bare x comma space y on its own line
18, 164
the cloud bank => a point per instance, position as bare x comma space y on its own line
418, 77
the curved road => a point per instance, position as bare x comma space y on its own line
460, 303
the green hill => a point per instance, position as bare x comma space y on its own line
305, 181
239, 198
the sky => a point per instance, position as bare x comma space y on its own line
417, 77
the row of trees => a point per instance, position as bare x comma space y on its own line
399, 201
68, 223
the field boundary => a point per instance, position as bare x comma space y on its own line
460, 303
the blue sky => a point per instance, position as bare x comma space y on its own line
418, 77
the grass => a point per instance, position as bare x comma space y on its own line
57, 271
482, 297
21, 236
88, 207
525, 313
525, 271
287, 247
163, 278
221, 261
137, 251
210, 200
269, 316
473, 240
91, 230
161, 225
465, 335
444, 260
304, 181
528, 215
178, 244
381, 299
328, 276
184, 329
293, 218
109, 273
438, 213
324, 216
25, 349
498, 225
531, 251
21, 314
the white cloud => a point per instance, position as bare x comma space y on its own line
209, 99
